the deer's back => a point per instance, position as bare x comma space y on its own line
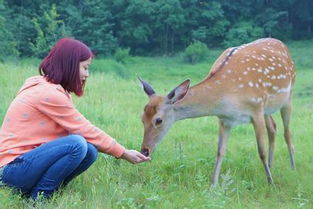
259, 72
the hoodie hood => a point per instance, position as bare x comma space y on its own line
40, 80
32, 81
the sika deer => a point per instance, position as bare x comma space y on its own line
246, 84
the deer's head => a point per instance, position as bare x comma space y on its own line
159, 114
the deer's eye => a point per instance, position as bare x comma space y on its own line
158, 121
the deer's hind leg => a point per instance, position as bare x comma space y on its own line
285, 115
271, 132
258, 122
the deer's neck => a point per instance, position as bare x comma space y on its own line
202, 99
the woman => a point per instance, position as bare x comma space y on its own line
44, 140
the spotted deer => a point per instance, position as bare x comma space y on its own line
246, 84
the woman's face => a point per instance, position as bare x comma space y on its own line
83, 69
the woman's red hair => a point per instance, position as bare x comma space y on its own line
61, 66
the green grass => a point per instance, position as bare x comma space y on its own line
178, 175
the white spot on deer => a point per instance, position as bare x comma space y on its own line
268, 84
245, 72
256, 99
241, 85
250, 84
273, 63
273, 77
275, 88
270, 59
284, 90
228, 71
239, 79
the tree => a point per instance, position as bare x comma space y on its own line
242, 32
48, 32
7, 43
169, 21
91, 22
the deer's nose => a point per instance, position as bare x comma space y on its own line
145, 152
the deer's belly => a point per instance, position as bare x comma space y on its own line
275, 103
239, 119
233, 116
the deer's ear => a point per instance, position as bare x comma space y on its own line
147, 88
179, 92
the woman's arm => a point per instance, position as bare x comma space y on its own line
58, 106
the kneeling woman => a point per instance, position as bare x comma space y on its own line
44, 140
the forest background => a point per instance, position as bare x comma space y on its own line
29, 28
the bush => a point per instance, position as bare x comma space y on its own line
241, 33
121, 55
196, 52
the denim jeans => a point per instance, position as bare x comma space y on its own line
43, 169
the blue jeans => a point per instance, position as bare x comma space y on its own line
45, 168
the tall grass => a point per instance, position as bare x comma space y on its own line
178, 175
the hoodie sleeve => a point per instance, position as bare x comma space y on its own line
59, 107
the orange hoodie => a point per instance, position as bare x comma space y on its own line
42, 112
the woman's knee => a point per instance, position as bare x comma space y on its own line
92, 153
78, 144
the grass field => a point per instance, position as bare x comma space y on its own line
178, 175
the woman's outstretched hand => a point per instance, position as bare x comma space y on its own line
134, 156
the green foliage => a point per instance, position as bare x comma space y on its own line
121, 55
274, 23
7, 43
92, 23
242, 32
147, 27
196, 52
213, 24
47, 32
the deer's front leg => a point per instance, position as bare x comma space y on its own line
223, 136
259, 128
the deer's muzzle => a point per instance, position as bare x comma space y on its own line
145, 152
